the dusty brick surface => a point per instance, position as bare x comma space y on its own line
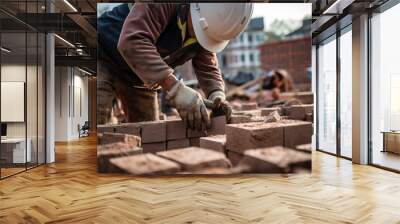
107, 138
195, 158
176, 129
268, 111
154, 147
153, 131
114, 150
297, 133
194, 142
217, 126
252, 112
178, 143
234, 157
216, 142
195, 133
239, 119
240, 137
146, 164
275, 160
257, 119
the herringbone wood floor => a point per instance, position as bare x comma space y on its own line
71, 191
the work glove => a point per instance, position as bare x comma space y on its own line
190, 106
220, 104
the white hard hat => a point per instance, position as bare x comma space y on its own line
216, 23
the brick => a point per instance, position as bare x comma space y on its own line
234, 157
177, 144
194, 158
309, 108
105, 128
195, 133
273, 117
107, 138
114, 150
305, 148
274, 160
295, 112
128, 128
216, 142
176, 129
154, 147
248, 106
146, 164
153, 131
239, 119
240, 137
267, 111
297, 133
194, 142
217, 126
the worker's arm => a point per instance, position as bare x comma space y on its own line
137, 43
207, 71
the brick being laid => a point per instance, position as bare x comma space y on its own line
114, 150
249, 106
217, 126
194, 158
216, 143
239, 119
176, 129
241, 137
146, 164
108, 137
153, 131
274, 160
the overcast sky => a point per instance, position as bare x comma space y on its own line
272, 11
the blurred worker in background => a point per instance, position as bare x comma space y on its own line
154, 39
276, 82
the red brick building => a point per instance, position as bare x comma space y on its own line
293, 55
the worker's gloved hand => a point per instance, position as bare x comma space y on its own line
220, 104
190, 106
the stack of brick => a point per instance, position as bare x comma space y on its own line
170, 147
287, 133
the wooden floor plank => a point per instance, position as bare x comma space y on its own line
71, 191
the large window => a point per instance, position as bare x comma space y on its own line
346, 92
327, 96
385, 88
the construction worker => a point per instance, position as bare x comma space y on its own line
155, 38
276, 82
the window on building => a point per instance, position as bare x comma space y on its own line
250, 38
251, 56
241, 38
243, 58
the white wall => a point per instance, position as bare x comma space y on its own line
71, 103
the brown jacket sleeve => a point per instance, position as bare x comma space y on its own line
137, 42
205, 65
